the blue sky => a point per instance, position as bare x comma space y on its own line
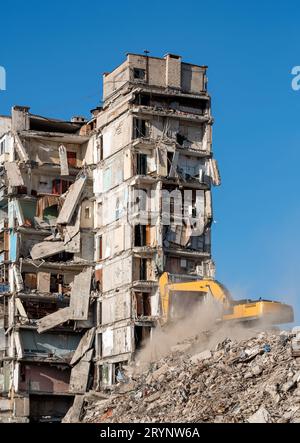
55, 53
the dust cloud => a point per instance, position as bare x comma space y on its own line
201, 327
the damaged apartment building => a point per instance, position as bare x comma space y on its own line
154, 164
46, 265
92, 213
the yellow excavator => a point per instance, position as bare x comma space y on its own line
179, 298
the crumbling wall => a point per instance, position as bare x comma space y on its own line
117, 272
116, 135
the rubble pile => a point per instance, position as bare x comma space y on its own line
253, 380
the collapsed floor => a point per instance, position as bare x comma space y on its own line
256, 379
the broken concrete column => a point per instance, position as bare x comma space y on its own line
84, 345
80, 295
80, 374
64, 167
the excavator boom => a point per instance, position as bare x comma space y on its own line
177, 297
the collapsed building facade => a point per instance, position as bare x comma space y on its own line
42, 255
92, 213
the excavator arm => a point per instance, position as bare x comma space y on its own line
272, 312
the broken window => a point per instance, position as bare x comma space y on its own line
72, 158
118, 372
62, 256
98, 279
87, 212
60, 186
30, 281
197, 243
141, 333
142, 99
170, 156
140, 235
4, 245
180, 138
179, 265
99, 214
2, 147
143, 269
22, 372
36, 310
143, 305
4, 287
140, 128
50, 213
183, 263
139, 74
21, 190
100, 148
140, 199
99, 248
140, 268
99, 345
56, 283
141, 160
118, 208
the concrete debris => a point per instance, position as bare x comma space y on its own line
260, 416
160, 371
201, 356
71, 201
18, 278
74, 413
210, 386
72, 230
55, 319
296, 345
21, 309
180, 348
46, 249
74, 244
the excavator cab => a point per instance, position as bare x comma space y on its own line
182, 303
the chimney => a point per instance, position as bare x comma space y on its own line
20, 118
173, 71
